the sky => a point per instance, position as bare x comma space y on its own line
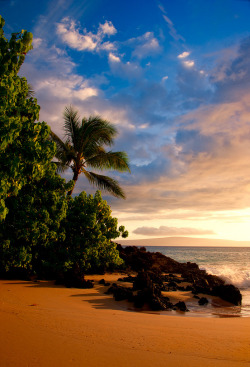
174, 77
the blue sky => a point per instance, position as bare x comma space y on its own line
174, 76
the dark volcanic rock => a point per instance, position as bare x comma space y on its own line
229, 293
129, 279
79, 282
102, 281
157, 304
181, 306
203, 301
120, 293
156, 273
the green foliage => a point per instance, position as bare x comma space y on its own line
90, 229
32, 195
42, 230
32, 225
25, 151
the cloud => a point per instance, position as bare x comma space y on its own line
188, 63
145, 45
37, 42
128, 70
170, 231
165, 78
172, 31
188, 139
113, 58
183, 55
107, 28
232, 77
85, 41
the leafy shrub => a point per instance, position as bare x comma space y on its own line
90, 229
32, 226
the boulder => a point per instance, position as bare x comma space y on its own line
181, 306
120, 293
203, 301
229, 293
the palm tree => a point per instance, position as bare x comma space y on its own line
83, 148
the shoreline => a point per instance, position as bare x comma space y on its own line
216, 308
43, 324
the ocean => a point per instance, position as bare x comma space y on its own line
230, 263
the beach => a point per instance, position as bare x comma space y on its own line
43, 324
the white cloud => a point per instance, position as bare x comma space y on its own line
107, 28
71, 36
113, 58
144, 126
170, 231
37, 42
188, 63
144, 45
108, 46
85, 41
183, 55
74, 87
164, 78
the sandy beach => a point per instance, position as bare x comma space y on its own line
45, 325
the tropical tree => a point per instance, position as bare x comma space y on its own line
25, 152
84, 148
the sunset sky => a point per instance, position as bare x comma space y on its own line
174, 76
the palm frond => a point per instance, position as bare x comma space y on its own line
96, 132
31, 92
60, 167
106, 183
64, 151
109, 160
71, 124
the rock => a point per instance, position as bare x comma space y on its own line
203, 301
79, 282
157, 304
102, 281
152, 265
142, 281
111, 289
120, 293
229, 293
181, 306
140, 299
195, 296
129, 279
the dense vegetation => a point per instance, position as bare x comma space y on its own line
43, 231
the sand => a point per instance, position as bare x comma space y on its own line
45, 325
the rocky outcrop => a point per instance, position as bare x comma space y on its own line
159, 275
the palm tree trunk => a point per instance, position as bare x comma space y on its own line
75, 177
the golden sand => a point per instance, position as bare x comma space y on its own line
43, 325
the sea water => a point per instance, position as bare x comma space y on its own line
230, 263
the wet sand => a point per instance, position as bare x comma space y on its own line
43, 325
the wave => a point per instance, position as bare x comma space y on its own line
231, 274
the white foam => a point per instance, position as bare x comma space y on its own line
231, 274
